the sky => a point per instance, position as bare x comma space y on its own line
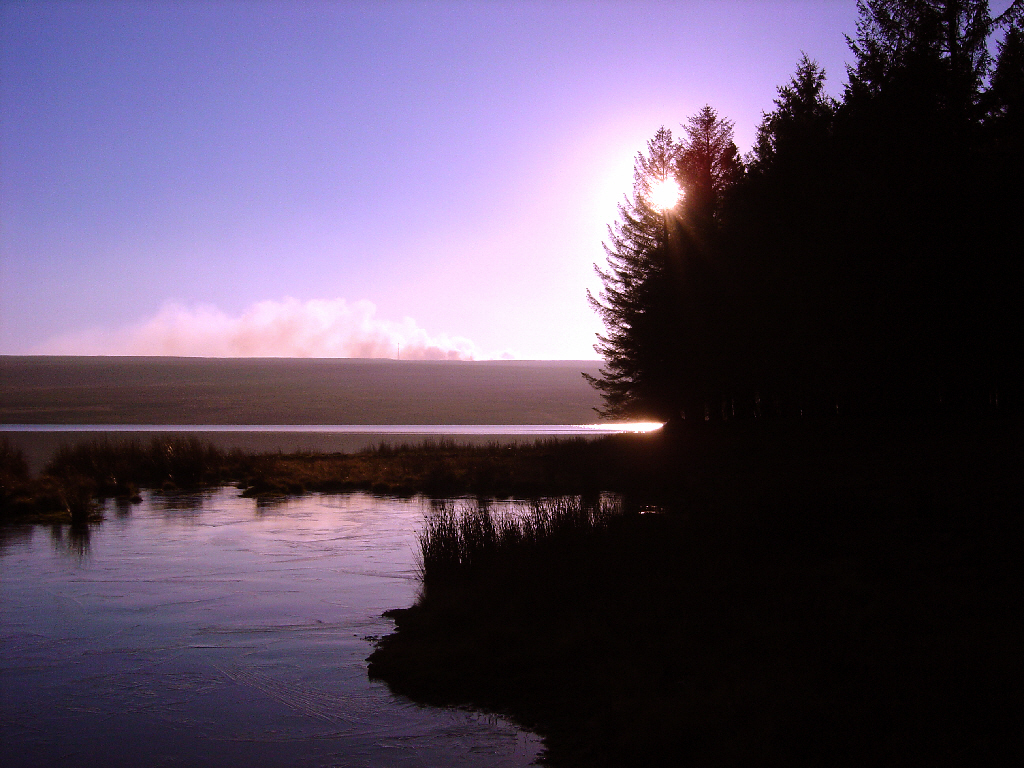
350, 179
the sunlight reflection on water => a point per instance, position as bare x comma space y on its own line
203, 629
539, 430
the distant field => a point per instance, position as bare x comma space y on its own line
110, 390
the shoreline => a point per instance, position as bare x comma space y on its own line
796, 600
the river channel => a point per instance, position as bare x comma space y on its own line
208, 629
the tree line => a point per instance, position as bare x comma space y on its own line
862, 258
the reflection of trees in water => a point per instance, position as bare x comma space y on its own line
72, 539
271, 505
12, 535
179, 504
123, 507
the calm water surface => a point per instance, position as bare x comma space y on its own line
211, 630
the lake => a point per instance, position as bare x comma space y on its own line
208, 629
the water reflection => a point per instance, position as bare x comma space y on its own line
72, 539
271, 505
122, 507
239, 637
12, 536
181, 505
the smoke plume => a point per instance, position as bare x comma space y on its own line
288, 328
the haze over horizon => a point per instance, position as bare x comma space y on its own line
331, 179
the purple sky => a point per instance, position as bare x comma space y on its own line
339, 178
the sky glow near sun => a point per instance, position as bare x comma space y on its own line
251, 178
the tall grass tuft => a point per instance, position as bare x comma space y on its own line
464, 540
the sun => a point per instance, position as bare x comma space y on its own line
664, 194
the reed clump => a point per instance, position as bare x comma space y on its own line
445, 468
13, 474
67, 498
463, 541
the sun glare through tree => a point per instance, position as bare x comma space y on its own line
665, 193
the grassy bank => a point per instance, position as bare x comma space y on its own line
825, 595
79, 474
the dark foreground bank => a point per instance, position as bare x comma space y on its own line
826, 595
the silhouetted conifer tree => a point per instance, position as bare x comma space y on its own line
908, 132
1001, 201
779, 235
662, 344
1006, 94
636, 302
709, 164
791, 137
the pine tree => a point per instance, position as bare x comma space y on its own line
781, 231
1006, 94
705, 331
796, 132
938, 47
664, 346
635, 304
1001, 199
708, 164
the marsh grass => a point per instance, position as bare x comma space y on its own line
443, 468
12, 462
118, 468
80, 474
464, 540
99, 469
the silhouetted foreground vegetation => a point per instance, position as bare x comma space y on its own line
79, 474
828, 594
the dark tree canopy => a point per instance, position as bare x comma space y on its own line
798, 126
1006, 96
939, 44
863, 260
